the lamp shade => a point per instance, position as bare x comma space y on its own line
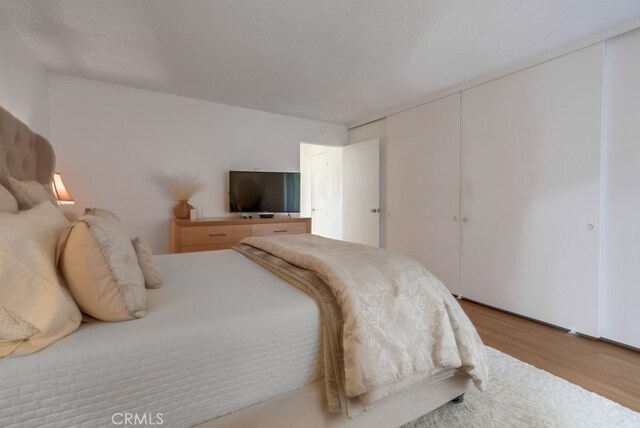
60, 192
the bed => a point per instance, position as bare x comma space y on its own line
225, 343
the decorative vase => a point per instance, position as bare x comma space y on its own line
182, 210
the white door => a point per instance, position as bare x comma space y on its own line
530, 191
423, 187
319, 194
620, 270
361, 192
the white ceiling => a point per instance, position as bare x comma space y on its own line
332, 60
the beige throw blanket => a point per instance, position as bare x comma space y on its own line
388, 322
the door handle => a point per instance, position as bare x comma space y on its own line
280, 231
217, 234
375, 210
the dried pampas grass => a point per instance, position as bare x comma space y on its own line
184, 186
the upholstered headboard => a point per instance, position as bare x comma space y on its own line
24, 154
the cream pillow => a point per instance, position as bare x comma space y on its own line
8, 203
35, 310
30, 193
149, 266
100, 266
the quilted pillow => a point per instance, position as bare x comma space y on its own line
100, 266
149, 266
8, 203
103, 213
35, 310
30, 193
13, 327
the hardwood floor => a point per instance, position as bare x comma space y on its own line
604, 368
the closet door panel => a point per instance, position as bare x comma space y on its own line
621, 192
423, 186
530, 191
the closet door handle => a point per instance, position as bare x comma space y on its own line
217, 234
464, 219
280, 231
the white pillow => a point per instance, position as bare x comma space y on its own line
36, 310
149, 265
30, 193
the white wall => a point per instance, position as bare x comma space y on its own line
23, 81
334, 157
377, 129
115, 146
620, 251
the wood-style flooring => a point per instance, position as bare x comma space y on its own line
604, 368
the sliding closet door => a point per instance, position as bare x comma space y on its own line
530, 191
621, 192
423, 186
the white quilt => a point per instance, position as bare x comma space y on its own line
222, 334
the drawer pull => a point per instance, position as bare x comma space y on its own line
280, 231
217, 234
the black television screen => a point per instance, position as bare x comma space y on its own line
269, 192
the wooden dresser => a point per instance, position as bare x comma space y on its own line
220, 233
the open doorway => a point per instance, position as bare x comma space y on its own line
321, 188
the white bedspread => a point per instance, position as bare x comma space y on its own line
222, 334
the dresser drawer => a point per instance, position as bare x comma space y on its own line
278, 229
209, 235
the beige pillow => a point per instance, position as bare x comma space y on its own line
8, 203
100, 266
35, 310
30, 193
149, 266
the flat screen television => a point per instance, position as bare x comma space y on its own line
267, 192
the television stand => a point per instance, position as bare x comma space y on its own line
221, 233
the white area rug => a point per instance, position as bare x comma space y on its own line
520, 395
